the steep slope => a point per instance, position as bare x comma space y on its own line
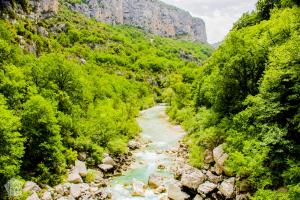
247, 97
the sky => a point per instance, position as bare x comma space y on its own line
219, 15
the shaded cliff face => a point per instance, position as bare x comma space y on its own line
151, 15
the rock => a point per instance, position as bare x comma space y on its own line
175, 193
47, 196
42, 31
133, 145
138, 188
160, 189
208, 156
155, 180
105, 167
75, 190
82, 155
207, 187
227, 187
198, 197
59, 189
31, 186
153, 16
213, 178
161, 166
80, 167
108, 161
74, 177
33, 196
192, 179
241, 197
219, 157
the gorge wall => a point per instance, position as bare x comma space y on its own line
151, 15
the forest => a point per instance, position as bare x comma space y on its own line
247, 95
77, 86
70, 84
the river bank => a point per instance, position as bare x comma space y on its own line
155, 168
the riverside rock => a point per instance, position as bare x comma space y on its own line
175, 193
219, 157
155, 181
74, 177
213, 178
105, 167
227, 187
151, 15
47, 196
31, 186
108, 161
206, 187
138, 188
192, 179
80, 167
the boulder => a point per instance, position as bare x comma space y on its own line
213, 178
133, 145
160, 189
155, 180
75, 190
80, 167
108, 161
207, 187
47, 196
192, 179
74, 177
208, 156
31, 186
138, 188
59, 189
33, 196
227, 187
219, 157
198, 197
105, 167
175, 193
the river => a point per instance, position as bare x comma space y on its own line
163, 136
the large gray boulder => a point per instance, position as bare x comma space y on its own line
213, 178
175, 193
227, 187
192, 179
105, 167
108, 161
80, 167
47, 196
207, 187
74, 177
31, 186
219, 157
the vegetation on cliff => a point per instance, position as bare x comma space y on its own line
247, 96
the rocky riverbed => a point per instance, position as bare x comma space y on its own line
156, 168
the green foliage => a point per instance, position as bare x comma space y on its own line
79, 89
11, 143
247, 96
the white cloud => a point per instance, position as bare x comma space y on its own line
219, 15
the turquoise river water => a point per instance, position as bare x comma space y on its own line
163, 136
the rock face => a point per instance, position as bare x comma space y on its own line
151, 15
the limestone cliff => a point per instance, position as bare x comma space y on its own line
151, 15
